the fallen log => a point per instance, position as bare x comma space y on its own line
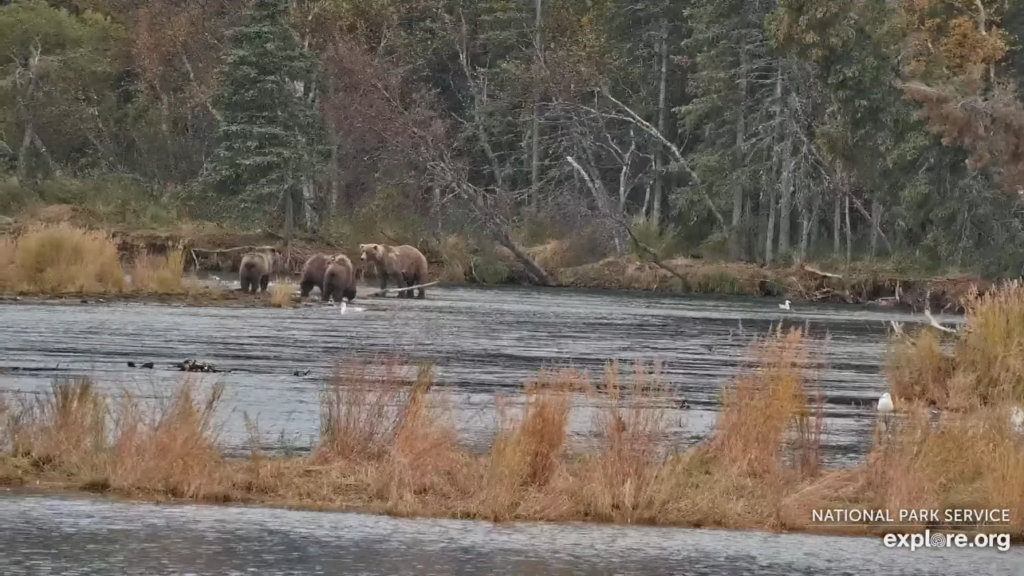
813, 270
387, 290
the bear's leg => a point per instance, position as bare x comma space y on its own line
409, 281
244, 282
325, 292
350, 295
383, 281
306, 287
264, 281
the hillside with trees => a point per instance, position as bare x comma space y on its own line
768, 131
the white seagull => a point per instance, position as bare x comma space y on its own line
785, 306
1017, 419
885, 404
343, 308
885, 409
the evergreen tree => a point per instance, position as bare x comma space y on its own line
269, 141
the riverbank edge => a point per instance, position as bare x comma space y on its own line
51, 487
625, 274
454, 260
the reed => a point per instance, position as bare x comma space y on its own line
388, 444
985, 366
159, 273
61, 259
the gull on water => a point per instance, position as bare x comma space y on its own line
343, 308
785, 306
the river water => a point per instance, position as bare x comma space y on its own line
483, 341
42, 535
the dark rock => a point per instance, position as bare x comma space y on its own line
131, 364
147, 365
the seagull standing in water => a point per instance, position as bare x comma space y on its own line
785, 306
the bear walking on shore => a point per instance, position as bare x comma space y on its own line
313, 273
339, 280
255, 270
405, 263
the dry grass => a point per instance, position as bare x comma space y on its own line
60, 259
388, 444
282, 294
159, 273
986, 367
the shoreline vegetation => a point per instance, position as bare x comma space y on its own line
60, 259
388, 445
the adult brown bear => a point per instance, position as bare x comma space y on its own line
339, 280
256, 268
313, 273
405, 263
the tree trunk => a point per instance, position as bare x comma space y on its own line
837, 224
309, 204
876, 219
786, 201
809, 229
336, 186
736, 239
659, 158
849, 232
535, 146
534, 269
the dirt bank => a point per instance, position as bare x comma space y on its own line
208, 247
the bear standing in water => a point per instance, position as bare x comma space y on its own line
313, 273
339, 280
256, 268
405, 263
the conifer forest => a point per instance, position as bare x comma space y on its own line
769, 131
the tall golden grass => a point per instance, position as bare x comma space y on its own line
282, 294
159, 273
985, 367
56, 259
388, 444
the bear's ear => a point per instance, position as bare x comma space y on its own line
362, 247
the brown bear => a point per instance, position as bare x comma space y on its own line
256, 269
339, 280
405, 263
313, 273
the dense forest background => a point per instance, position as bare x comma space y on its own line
758, 130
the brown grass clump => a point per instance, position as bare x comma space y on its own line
767, 408
282, 295
964, 461
73, 432
986, 367
60, 259
162, 273
917, 368
388, 444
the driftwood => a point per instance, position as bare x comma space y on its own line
813, 270
387, 290
935, 324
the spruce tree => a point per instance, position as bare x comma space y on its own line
269, 140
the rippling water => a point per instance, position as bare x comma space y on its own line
483, 340
48, 535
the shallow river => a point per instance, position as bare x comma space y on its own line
42, 535
483, 340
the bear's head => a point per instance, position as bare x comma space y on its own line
371, 252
